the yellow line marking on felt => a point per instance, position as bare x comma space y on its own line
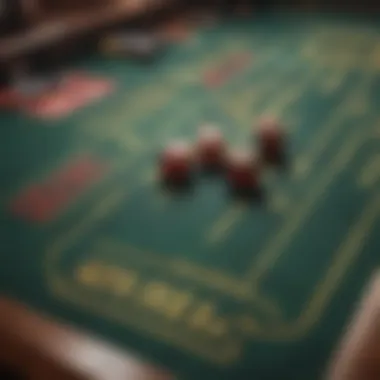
274, 249
149, 176
348, 251
120, 121
216, 280
129, 140
115, 128
158, 200
106, 206
333, 81
332, 126
245, 113
290, 95
370, 173
202, 275
187, 75
225, 223
279, 203
64, 287
228, 285
241, 109
301, 167
375, 57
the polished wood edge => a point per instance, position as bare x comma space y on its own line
71, 25
358, 355
44, 349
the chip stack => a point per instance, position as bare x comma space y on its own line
177, 163
241, 167
243, 172
271, 141
211, 148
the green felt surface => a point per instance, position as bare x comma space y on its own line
202, 284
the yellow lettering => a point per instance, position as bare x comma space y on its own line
249, 325
155, 295
203, 316
158, 296
118, 282
162, 298
89, 274
218, 327
121, 282
178, 303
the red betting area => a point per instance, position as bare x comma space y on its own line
73, 91
44, 201
226, 70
